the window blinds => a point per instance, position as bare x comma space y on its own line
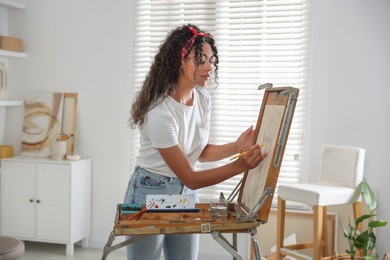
258, 42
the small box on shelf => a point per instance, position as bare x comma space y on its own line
6, 151
11, 43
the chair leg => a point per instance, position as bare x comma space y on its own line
280, 227
318, 231
325, 249
357, 212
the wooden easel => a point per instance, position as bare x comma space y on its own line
255, 189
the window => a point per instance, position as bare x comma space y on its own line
258, 42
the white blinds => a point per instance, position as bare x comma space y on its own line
258, 42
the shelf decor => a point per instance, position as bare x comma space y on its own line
49, 117
57, 150
42, 123
11, 43
3, 82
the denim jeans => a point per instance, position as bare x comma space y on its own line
175, 247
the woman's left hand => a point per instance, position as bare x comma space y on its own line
245, 139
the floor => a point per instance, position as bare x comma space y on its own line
45, 251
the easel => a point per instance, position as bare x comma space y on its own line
254, 202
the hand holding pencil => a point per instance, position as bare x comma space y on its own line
250, 158
241, 154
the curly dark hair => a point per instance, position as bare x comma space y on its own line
164, 73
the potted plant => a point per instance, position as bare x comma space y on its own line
58, 147
363, 242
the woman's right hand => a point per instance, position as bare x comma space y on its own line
252, 158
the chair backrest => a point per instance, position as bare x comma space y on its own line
342, 165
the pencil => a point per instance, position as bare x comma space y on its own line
241, 154
142, 211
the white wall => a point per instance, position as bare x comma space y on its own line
85, 46
82, 46
350, 89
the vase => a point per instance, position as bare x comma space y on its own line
57, 150
3, 81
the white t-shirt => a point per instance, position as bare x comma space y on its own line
170, 123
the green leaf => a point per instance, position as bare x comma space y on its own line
377, 223
362, 240
363, 217
371, 243
368, 195
357, 193
345, 232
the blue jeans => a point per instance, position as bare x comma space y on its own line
176, 247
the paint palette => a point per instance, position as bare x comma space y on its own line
170, 202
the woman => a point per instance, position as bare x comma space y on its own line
172, 111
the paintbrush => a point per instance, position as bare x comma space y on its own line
241, 154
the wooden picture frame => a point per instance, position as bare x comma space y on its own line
69, 121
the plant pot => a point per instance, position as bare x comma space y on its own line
342, 257
57, 150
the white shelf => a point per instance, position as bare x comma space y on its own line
8, 103
13, 54
11, 4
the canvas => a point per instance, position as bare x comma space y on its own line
42, 123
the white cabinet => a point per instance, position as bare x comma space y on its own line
45, 200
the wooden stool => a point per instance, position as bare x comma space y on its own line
11, 248
320, 236
341, 170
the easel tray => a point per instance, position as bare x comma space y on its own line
151, 223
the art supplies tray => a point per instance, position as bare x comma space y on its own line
179, 222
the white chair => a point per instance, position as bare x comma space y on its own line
341, 170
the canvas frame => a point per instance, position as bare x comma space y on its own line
272, 129
70, 120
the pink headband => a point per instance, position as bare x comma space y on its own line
187, 47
